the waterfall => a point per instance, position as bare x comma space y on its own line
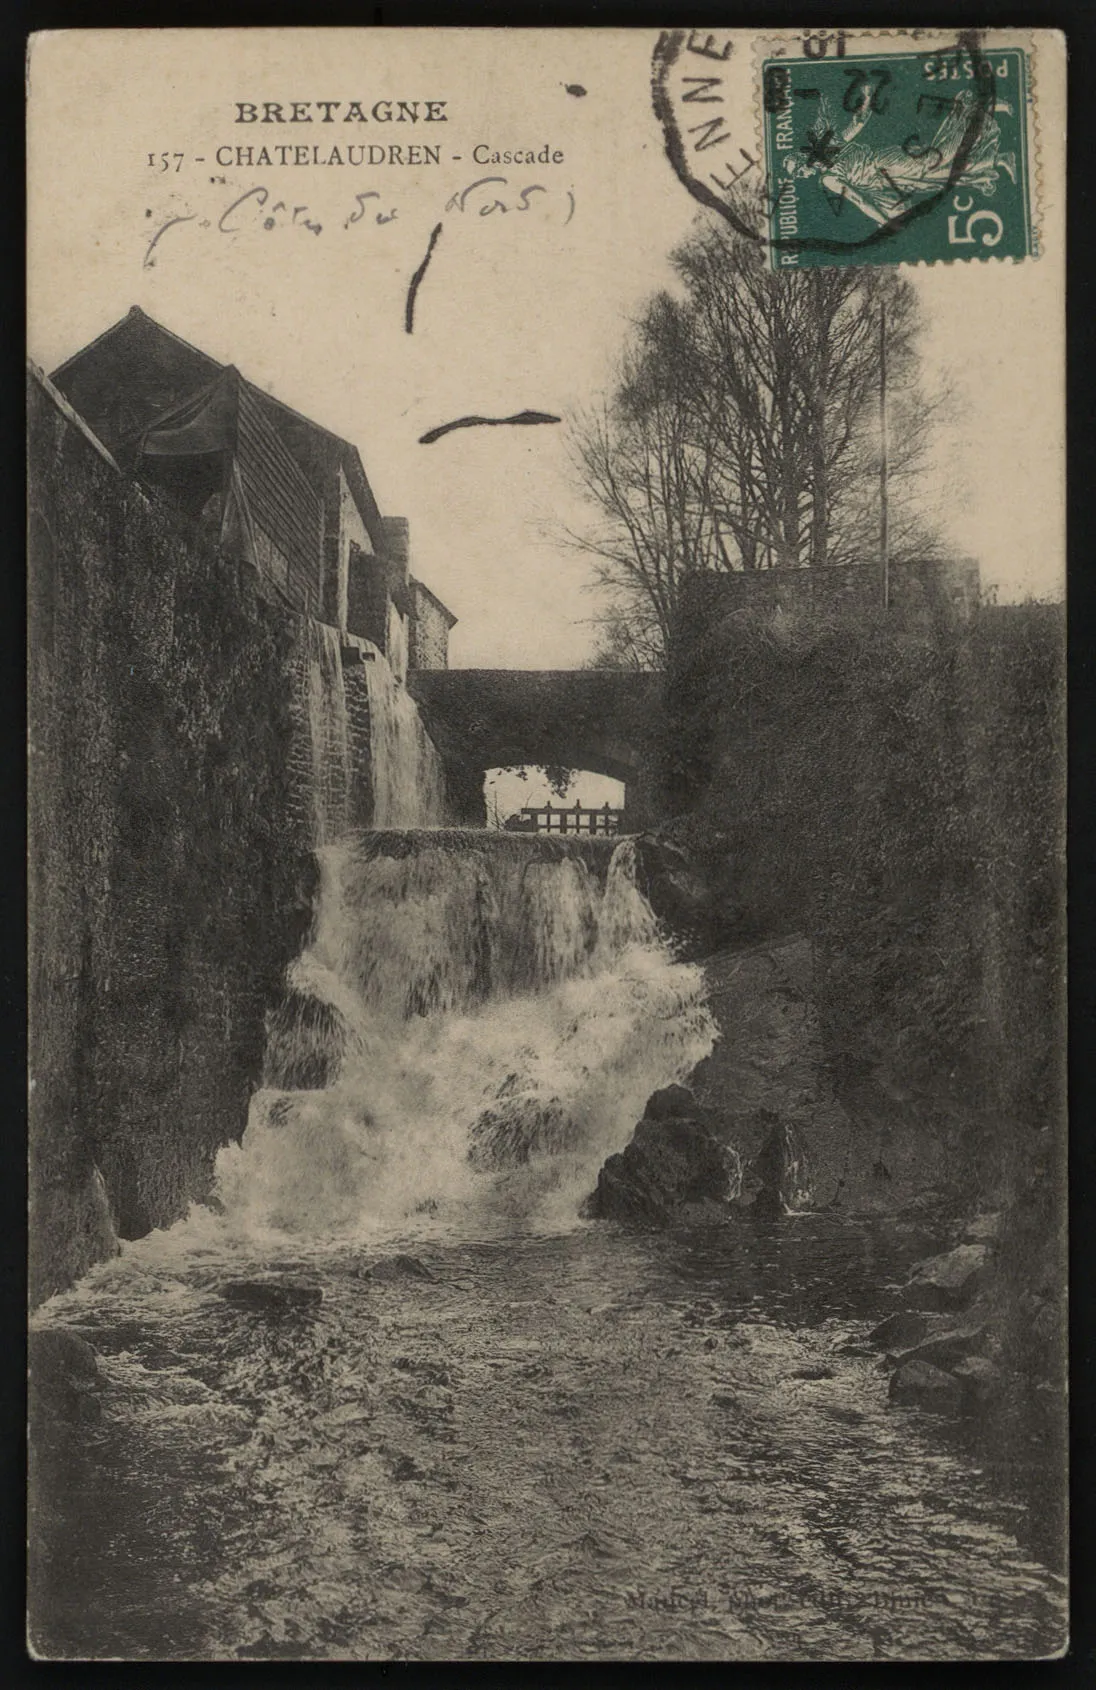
328, 735
408, 784
476, 1022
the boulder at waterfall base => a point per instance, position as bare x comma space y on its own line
917, 1384
389, 1269
901, 1331
271, 1296
675, 1168
63, 1377
778, 1177
950, 1281
948, 1345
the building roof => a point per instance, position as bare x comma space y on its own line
226, 415
137, 383
136, 370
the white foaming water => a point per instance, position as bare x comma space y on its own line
408, 784
490, 1018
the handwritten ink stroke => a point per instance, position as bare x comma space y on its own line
522, 417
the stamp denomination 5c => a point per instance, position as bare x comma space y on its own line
886, 155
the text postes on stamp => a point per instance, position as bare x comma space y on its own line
892, 157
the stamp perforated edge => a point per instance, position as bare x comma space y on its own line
792, 42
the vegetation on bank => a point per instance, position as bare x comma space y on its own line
894, 789
742, 434
170, 863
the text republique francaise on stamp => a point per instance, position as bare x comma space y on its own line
902, 147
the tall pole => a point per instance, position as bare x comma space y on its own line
884, 537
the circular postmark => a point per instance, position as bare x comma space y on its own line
874, 149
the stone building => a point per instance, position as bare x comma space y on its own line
276, 489
430, 624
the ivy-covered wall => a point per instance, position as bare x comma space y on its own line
897, 793
894, 790
170, 848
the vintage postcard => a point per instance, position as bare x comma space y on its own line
547, 760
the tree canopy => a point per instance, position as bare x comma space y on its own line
743, 432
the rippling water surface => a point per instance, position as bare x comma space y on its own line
577, 1445
454, 1421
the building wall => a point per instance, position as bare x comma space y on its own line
429, 633
396, 643
271, 559
917, 586
170, 861
367, 599
352, 532
361, 611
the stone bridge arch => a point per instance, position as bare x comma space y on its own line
596, 719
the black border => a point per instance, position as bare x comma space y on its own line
1077, 18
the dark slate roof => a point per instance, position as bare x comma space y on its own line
137, 369
227, 415
130, 374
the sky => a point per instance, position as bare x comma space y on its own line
518, 309
509, 790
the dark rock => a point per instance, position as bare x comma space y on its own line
671, 1102
983, 1381
779, 1174
271, 1296
949, 1281
391, 1268
917, 1384
63, 1377
696, 899
944, 1349
983, 1229
818, 1372
900, 1331
669, 1165
407, 1468
306, 1042
53, 1353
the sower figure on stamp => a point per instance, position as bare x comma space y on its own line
883, 182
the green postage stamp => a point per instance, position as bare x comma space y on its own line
897, 157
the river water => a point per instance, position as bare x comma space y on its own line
577, 1445
388, 1397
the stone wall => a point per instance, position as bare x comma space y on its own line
171, 869
360, 735
920, 590
899, 799
430, 626
351, 538
596, 719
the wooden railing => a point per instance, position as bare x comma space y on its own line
579, 818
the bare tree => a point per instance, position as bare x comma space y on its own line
742, 433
